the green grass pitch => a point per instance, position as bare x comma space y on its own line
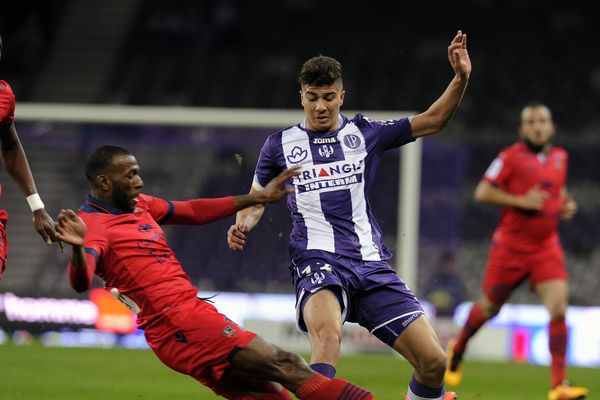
36, 373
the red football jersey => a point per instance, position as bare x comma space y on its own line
516, 170
7, 103
129, 250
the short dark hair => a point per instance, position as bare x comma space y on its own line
320, 71
101, 159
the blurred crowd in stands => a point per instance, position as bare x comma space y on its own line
228, 53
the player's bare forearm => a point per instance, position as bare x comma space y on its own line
568, 207
245, 221
565, 195
78, 270
249, 217
15, 159
17, 166
487, 193
252, 205
274, 191
78, 257
441, 111
534, 199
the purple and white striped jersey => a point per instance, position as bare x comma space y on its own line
330, 209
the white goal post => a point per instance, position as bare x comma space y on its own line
407, 242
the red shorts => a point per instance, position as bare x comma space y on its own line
195, 339
506, 269
3, 243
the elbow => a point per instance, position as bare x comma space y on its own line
80, 287
431, 129
440, 126
480, 195
80, 283
437, 124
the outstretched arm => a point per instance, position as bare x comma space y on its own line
245, 220
441, 111
201, 211
17, 166
71, 229
533, 199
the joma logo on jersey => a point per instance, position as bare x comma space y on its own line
330, 170
328, 183
324, 140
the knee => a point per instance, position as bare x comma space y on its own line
558, 311
433, 368
325, 334
489, 310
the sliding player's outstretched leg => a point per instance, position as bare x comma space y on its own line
261, 360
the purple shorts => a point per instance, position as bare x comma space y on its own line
370, 293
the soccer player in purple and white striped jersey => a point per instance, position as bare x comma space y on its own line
338, 258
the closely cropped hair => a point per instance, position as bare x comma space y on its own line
320, 71
535, 104
101, 159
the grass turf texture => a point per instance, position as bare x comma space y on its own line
34, 372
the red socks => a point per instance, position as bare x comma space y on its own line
312, 385
320, 387
558, 350
474, 322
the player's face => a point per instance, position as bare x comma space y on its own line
126, 182
537, 125
322, 106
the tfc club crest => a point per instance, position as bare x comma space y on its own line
317, 278
326, 151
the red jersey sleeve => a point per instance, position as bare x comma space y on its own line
189, 212
95, 244
499, 171
81, 278
7, 104
158, 208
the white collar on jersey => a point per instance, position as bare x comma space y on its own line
340, 122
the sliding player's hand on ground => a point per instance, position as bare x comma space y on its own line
70, 228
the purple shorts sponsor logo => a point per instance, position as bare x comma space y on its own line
410, 319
